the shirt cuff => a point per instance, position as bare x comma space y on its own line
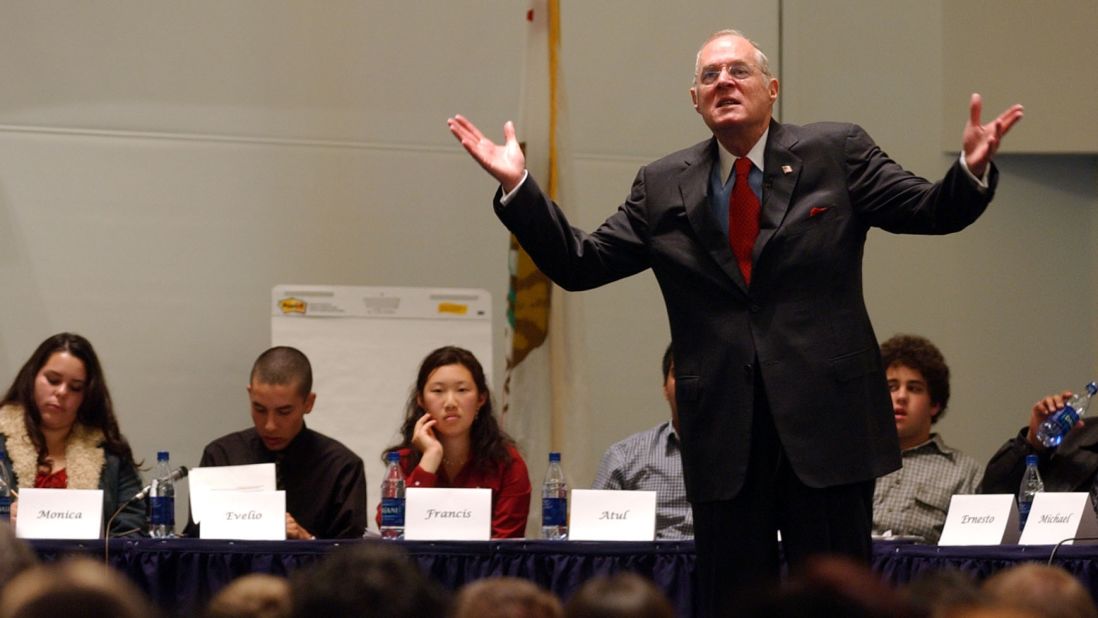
525, 173
980, 182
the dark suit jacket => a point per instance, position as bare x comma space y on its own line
803, 321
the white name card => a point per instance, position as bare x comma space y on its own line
246, 515
981, 520
436, 514
59, 513
212, 479
612, 515
1056, 516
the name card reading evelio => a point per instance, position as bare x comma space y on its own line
247, 515
612, 515
1056, 516
59, 513
981, 520
436, 514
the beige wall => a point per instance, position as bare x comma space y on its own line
163, 165
1009, 300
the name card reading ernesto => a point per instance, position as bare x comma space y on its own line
1056, 516
436, 514
245, 515
981, 520
612, 515
59, 513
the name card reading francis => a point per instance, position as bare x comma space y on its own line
248, 515
59, 514
990, 519
436, 514
612, 515
1056, 516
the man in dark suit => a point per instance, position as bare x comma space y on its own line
786, 417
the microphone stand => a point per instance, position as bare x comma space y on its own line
107, 530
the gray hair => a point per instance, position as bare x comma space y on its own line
760, 57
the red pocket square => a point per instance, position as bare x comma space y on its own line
817, 211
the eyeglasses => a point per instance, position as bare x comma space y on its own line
736, 71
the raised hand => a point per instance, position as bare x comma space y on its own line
981, 141
505, 163
425, 441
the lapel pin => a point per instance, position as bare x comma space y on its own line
787, 169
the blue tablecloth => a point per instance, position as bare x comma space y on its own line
181, 574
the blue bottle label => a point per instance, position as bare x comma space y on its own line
553, 511
392, 512
163, 511
1067, 418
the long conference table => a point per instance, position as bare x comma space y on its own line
180, 575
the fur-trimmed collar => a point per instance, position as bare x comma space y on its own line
84, 455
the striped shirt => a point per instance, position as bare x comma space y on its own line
651, 461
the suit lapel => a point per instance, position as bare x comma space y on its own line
783, 168
694, 188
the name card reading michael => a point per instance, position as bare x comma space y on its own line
990, 519
59, 513
247, 515
1056, 516
612, 515
436, 514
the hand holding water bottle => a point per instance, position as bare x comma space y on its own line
1044, 407
1043, 410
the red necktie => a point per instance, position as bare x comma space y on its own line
743, 218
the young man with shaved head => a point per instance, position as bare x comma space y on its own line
325, 483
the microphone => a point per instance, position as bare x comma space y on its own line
176, 474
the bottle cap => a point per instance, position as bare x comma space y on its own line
554, 456
1031, 460
162, 455
392, 456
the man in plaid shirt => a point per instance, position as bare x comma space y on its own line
651, 461
913, 500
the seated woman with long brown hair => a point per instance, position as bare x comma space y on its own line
58, 426
452, 439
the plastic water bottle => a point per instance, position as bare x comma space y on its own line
162, 499
392, 499
6, 481
554, 502
1031, 484
1052, 431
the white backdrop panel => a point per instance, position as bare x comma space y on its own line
365, 344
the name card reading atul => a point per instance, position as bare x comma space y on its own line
612, 515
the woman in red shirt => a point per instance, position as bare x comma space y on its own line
452, 439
